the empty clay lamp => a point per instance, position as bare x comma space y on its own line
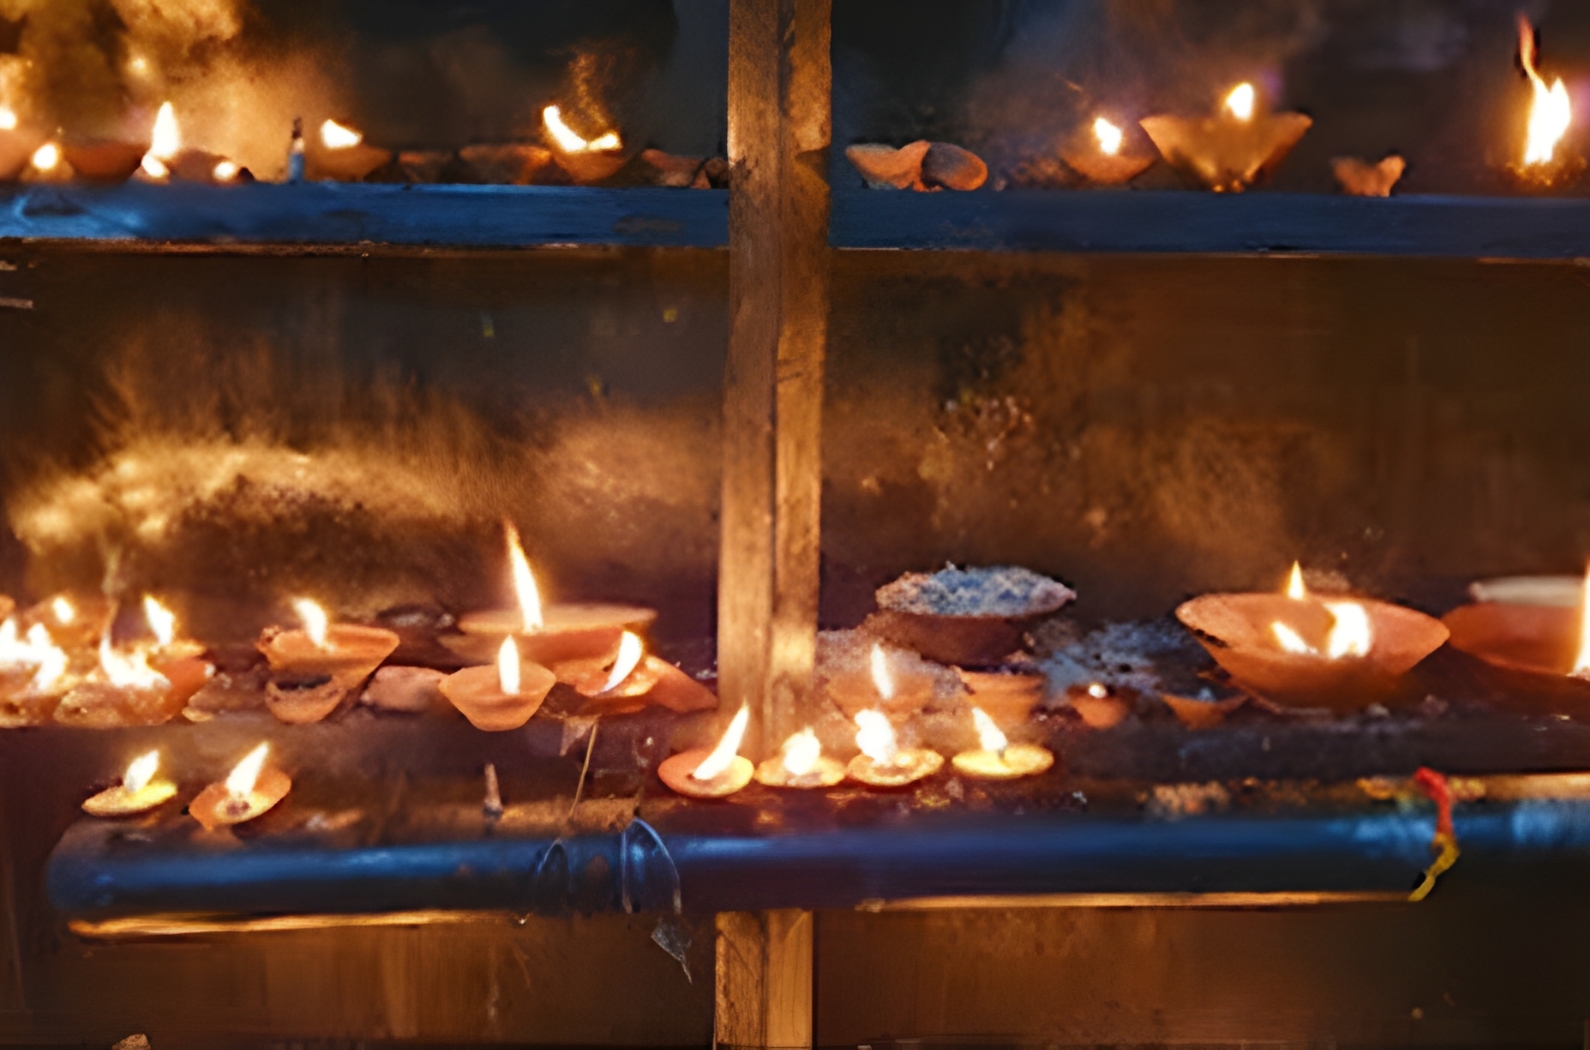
715, 773
501, 697
138, 791
883, 763
586, 160
1232, 149
1546, 160
548, 634
996, 758
886, 168
1538, 638
1009, 697
1360, 178
249, 791
339, 153
1099, 153
123, 691
315, 667
1293, 648
1098, 705
800, 763
882, 687
973, 617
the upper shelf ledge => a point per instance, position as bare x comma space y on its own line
362, 213
1196, 222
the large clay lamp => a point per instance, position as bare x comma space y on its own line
1232, 148
1293, 648
718, 773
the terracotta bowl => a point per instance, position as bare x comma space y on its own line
1539, 639
101, 160
1236, 629
1223, 154
964, 641
1009, 699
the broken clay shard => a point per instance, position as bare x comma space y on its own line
886, 168
953, 167
1359, 178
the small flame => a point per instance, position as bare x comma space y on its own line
129, 671
314, 617
508, 667
1351, 634
140, 771
224, 171
1550, 113
1098, 690
1240, 101
1108, 134
630, 650
875, 737
1294, 584
154, 167
801, 753
240, 782
1581, 662
723, 755
1291, 641
63, 610
46, 157
8, 118
165, 141
524, 582
162, 621
339, 136
569, 142
882, 680
989, 738
51, 658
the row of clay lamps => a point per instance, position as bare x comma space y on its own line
252, 789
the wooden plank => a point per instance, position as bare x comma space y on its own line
764, 983
1190, 222
778, 300
336, 213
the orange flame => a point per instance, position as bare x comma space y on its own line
46, 157
339, 136
240, 782
875, 737
508, 667
314, 618
524, 581
1241, 101
1581, 661
801, 752
989, 738
1550, 114
723, 755
140, 771
570, 142
630, 650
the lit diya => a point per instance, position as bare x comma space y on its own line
1231, 149
314, 668
548, 634
883, 762
1099, 153
801, 764
1542, 636
1098, 705
631, 678
138, 791
996, 758
883, 686
249, 791
338, 152
1545, 160
586, 160
1294, 648
500, 697
32, 675
123, 691
718, 773
180, 660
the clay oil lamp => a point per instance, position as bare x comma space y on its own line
974, 617
1231, 149
1540, 635
884, 687
33, 675
123, 691
339, 153
1010, 697
883, 763
179, 660
138, 792
886, 168
1295, 649
715, 773
1098, 705
47, 163
314, 668
586, 160
249, 791
800, 764
500, 697
1099, 154
1545, 160
76, 622
1360, 178
548, 634
996, 758
633, 679
18, 140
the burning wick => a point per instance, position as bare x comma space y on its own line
339, 136
1109, 136
875, 736
224, 171
1350, 634
314, 618
1294, 584
250, 790
524, 581
882, 762
569, 142
138, 791
630, 651
996, 758
1240, 102
800, 764
164, 143
46, 157
62, 610
881, 678
129, 672
699, 773
1550, 114
508, 667
241, 781
162, 621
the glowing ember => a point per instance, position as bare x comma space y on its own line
801, 752
881, 678
1240, 102
1350, 634
314, 618
989, 738
508, 667
1294, 584
722, 755
1550, 113
162, 621
875, 737
140, 771
1291, 641
1581, 662
62, 610
128, 671
1109, 136
569, 142
8, 118
47, 156
630, 650
240, 782
339, 136
224, 171
524, 582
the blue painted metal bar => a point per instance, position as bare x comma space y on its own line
1192, 222
353, 214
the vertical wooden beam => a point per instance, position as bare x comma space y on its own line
764, 980
779, 131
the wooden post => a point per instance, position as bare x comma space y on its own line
779, 133
764, 980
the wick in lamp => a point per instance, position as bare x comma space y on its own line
249, 791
